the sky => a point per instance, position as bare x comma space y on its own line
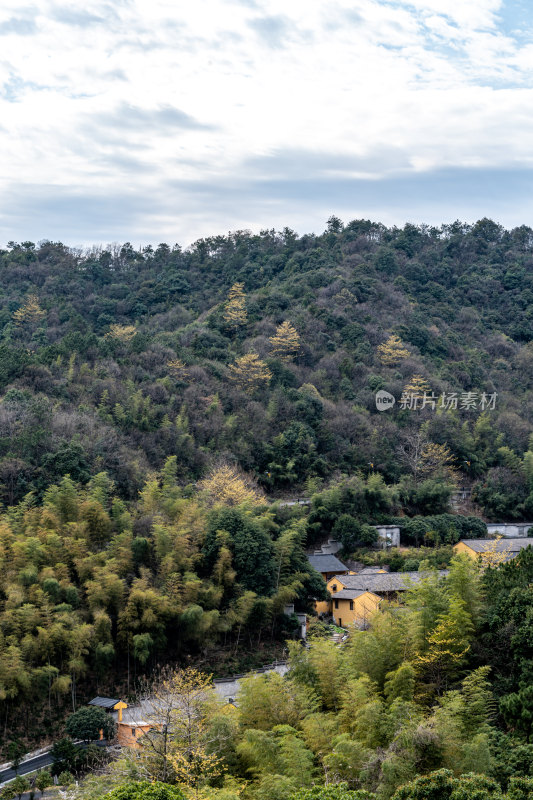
158, 120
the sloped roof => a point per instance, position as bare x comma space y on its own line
325, 562
374, 570
349, 594
103, 702
140, 714
498, 545
383, 582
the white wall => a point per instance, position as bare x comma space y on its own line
389, 536
512, 530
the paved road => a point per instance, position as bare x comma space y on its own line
226, 688
34, 764
39, 762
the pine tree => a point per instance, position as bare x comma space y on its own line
122, 333
285, 342
392, 351
235, 314
178, 369
416, 386
228, 486
250, 373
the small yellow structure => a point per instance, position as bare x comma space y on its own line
493, 551
129, 732
120, 706
348, 606
354, 607
230, 708
356, 596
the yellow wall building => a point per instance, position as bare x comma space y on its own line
356, 596
129, 733
353, 607
500, 549
462, 547
348, 606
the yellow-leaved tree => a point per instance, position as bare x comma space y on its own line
417, 386
448, 644
494, 553
122, 333
285, 342
178, 369
250, 373
427, 459
178, 747
226, 485
235, 311
437, 461
392, 351
29, 314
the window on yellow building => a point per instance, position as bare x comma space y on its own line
334, 587
351, 605
336, 603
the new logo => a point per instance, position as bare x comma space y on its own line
384, 400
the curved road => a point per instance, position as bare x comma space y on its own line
34, 764
226, 688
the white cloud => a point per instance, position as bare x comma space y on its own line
144, 91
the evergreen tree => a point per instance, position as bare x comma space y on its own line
235, 314
285, 343
250, 373
392, 351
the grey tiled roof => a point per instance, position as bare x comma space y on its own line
141, 713
348, 594
499, 545
324, 562
103, 702
384, 582
373, 570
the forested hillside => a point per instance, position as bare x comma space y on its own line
155, 402
432, 702
114, 359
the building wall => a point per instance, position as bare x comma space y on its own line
128, 735
510, 530
461, 547
357, 611
324, 606
388, 536
335, 585
363, 606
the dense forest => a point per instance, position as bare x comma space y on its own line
433, 702
158, 404
113, 359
